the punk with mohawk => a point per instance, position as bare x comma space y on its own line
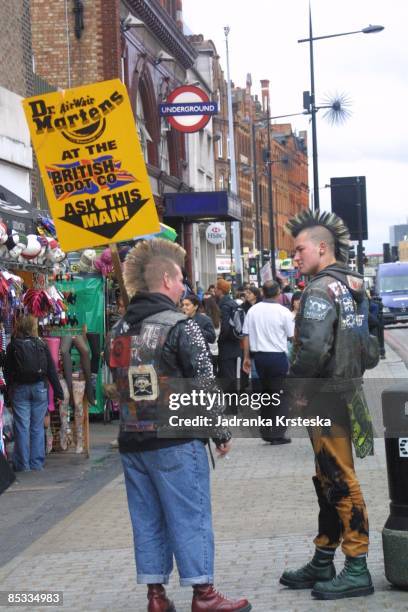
331, 342
308, 219
146, 263
156, 350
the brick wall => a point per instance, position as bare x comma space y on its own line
15, 47
62, 58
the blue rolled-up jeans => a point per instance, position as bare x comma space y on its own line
168, 493
30, 404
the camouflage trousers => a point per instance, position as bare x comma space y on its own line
343, 515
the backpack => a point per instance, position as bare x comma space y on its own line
370, 347
237, 322
30, 360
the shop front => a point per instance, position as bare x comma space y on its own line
200, 208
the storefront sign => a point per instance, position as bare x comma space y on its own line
216, 233
223, 265
91, 164
188, 108
203, 205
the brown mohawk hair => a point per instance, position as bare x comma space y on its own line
307, 219
146, 262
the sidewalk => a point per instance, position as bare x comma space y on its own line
265, 516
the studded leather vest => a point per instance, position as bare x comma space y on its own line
142, 376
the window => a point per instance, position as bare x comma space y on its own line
220, 146
144, 136
164, 148
221, 182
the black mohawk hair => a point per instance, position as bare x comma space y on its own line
336, 226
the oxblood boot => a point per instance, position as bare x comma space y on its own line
158, 600
207, 599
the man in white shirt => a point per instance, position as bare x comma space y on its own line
267, 328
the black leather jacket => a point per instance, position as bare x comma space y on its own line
327, 340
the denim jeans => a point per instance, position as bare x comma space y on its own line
30, 403
168, 493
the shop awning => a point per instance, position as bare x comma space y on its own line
203, 206
18, 214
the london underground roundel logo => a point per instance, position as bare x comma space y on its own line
188, 108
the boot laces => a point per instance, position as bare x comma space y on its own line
218, 594
343, 572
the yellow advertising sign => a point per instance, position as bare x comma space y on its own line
92, 164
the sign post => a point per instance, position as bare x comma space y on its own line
92, 165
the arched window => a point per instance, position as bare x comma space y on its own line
164, 156
142, 130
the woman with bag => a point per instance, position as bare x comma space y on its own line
28, 368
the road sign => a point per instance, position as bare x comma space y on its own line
188, 108
92, 165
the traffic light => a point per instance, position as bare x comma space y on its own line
266, 255
386, 252
266, 156
352, 253
307, 101
252, 263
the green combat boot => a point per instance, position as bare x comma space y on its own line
354, 580
321, 567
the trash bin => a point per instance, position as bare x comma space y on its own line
395, 532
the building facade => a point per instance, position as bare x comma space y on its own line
289, 169
398, 233
16, 82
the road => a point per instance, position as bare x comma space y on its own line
397, 337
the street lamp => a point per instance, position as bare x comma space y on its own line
371, 29
233, 170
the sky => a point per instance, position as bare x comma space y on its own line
371, 69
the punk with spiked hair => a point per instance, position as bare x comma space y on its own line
147, 261
308, 219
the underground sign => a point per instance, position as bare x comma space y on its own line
188, 109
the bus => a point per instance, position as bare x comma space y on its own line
392, 286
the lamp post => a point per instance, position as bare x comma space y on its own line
311, 99
233, 170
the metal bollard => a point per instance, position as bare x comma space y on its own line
395, 532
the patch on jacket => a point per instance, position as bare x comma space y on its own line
316, 308
143, 383
354, 283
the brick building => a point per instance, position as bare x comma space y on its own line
16, 82
288, 162
138, 41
